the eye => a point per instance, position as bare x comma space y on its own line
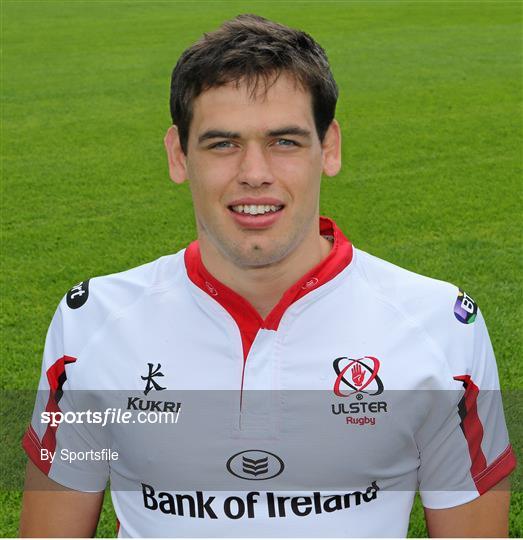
222, 144
286, 142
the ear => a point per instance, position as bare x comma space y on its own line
175, 155
331, 150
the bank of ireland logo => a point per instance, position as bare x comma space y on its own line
255, 465
357, 376
465, 309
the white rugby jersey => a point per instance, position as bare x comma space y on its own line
364, 384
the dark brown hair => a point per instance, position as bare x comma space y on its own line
252, 49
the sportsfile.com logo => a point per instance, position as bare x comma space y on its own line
358, 377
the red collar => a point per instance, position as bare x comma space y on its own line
247, 318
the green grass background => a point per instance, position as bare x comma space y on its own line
430, 108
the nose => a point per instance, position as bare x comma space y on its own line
255, 167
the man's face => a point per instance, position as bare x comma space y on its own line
254, 166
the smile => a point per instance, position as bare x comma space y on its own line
256, 216
255, 209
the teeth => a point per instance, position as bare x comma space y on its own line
255, 209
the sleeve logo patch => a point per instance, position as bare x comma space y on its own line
78, 295
465, 309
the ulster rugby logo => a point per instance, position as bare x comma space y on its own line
359, 375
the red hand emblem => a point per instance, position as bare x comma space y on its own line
357, 375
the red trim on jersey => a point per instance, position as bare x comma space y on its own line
31, 443
504, 464
247, 318
32, 446
484, 477
56, 371
471, 425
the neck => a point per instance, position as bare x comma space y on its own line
263, 286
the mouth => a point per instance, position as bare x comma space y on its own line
256, 216
255, 209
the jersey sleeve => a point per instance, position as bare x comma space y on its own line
464, 445
51, 445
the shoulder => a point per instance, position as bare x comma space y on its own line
447, 317
90, 304
115, 291
417, 295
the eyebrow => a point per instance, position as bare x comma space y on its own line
218, 134
289, 130
286, 130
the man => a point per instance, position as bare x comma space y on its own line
304, 333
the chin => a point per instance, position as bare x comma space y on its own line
256, 255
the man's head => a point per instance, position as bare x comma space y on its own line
253, 106
252, 50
